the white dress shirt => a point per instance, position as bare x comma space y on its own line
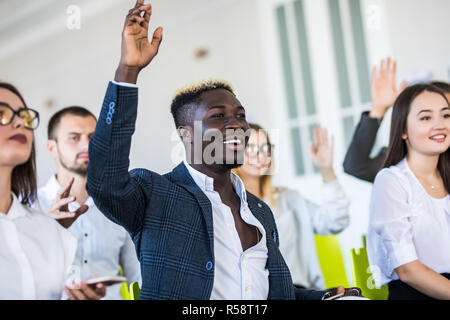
406, 224
35, 254
298, 220
103, 245
238, 274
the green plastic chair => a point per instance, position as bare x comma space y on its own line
362, 276
124, 287
331, 261
124, 291
135, 291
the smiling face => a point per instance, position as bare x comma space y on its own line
71, 146
15, 140
221, 120
428, 125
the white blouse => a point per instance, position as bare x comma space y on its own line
406, 224
35, 254
102, 244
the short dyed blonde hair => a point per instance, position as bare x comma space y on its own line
190, 94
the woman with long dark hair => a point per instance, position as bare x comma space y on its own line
35, 251
409, 230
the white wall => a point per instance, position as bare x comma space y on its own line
419, 31
74, 67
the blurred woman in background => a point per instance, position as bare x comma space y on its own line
297, 218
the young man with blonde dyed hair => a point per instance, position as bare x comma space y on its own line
198, 233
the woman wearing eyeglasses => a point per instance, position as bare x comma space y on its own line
35, 251
297, 218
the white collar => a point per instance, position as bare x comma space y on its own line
206, 183
17, 210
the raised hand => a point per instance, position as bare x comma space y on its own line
384, 88
59, 210
137, 50
322, 153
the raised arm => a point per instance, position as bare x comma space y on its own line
137, 50
120, 195
384, 93
322, 154
332, 216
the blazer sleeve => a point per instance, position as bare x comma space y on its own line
118, 194
357, 161
307, 294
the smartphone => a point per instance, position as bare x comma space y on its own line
107, 280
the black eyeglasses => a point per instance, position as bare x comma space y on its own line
254, 149
30, 116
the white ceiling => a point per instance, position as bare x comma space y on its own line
29, 21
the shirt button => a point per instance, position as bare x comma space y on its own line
259, 205
243, 258
246, 288
85, 235
209, 265
85, 261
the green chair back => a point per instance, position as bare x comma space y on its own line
124, 291
124, 287
331, 261
135, 291
362, 276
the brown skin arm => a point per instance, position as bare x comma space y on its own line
59, 210
137, 51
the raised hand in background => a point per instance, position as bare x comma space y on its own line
384, 88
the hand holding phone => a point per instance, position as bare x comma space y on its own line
107, 280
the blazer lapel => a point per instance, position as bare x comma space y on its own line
181, 177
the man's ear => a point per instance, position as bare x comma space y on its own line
52, 148
185, 134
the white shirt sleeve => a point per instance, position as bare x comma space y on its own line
332, 215
125, 84
389, 220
